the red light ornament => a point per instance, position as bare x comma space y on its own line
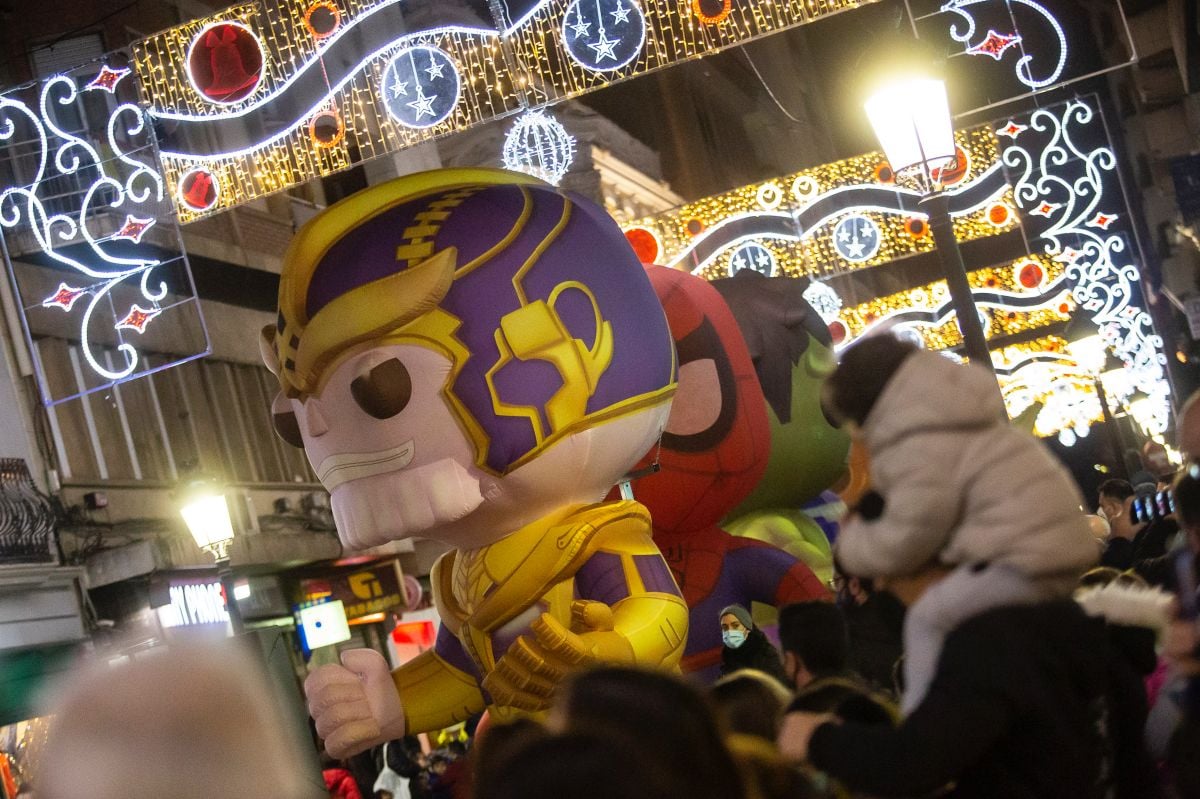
225, 63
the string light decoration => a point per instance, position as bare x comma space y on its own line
831, 219
95, 210
1065, 180
537, 144
1006, 306
241, 94
964, 28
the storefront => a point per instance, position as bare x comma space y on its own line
41, 635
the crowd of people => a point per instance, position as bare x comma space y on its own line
988, 640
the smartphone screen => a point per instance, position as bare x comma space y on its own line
1161, 503
1139, 510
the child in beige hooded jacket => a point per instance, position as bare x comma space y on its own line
952, 482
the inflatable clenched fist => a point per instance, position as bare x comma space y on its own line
476, 357
354, 704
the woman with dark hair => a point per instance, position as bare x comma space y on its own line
651, 709
745, 646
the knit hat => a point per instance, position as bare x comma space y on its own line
865, 368
740, 613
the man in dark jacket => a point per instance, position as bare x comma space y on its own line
815, 643
875, 622
1026, 701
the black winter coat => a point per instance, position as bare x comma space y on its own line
1027, 703
756, 653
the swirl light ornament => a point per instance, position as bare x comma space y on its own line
84, 209
1071, 197
995, 44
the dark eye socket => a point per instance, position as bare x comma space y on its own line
284, 420
384, 391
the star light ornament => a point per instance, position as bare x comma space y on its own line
752, 255
420, 86
603, 35
537, 144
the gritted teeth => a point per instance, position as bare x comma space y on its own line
335, 470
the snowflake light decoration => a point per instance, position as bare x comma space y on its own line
824, 300
537, 144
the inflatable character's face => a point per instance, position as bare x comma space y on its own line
792, 355
714, 450
463, 352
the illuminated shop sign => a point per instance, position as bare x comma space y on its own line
194, 604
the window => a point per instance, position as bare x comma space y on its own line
205, 416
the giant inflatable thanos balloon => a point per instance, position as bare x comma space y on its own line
476, 357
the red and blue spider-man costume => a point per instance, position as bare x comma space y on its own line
714, 453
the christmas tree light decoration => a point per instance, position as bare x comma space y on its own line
999, 214
537, 144
96, 209
108, 79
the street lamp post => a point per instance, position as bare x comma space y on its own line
206, 514
911, 118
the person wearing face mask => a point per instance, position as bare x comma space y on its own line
745, 646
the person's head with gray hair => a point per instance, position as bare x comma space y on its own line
188, 723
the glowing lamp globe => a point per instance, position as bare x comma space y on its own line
911, 118
537, 144
1085, 345
206, 514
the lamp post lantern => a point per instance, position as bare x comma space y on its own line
206, 513
911, 118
